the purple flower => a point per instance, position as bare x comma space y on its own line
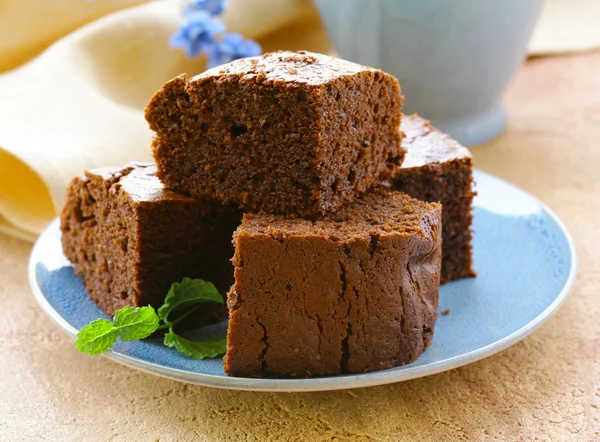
200, 28
213, 7
231, 47
197, 34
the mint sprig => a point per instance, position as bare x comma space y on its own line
136, 323
97, 337
196, 349
188, 292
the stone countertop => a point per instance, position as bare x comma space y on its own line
546, 387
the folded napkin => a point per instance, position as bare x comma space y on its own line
29, 26
80, 103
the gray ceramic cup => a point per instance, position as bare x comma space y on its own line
454, 58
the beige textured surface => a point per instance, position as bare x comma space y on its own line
545, 388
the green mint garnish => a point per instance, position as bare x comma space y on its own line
135, 323
196, 349
186, 293
96, 337
129, 324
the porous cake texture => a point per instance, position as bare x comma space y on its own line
439, 169
289, 133
131, 239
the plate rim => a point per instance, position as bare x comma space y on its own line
330, 383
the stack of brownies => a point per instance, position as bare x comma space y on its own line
303, 160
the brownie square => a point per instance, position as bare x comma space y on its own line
287, 133
131, 239
356, 291
439, 169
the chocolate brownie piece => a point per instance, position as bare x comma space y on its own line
288, 133
439, 169
130, 239
356, 291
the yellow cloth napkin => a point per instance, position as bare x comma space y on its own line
80, 103
29, 26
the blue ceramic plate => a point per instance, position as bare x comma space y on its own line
523, 253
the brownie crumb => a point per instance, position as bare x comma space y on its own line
299, 134
352, 292
131, 239
439, 169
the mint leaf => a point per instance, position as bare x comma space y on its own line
196, 349
96, 337
135, 323
188, 291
